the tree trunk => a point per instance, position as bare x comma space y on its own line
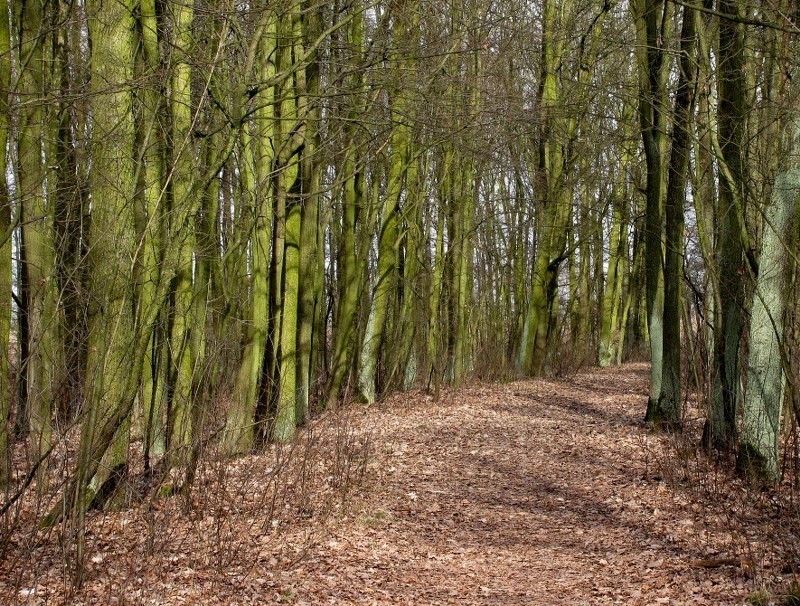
667, 411
351, 200
720, 430
37, 219
112, 245
6, 229
179, 417
651, 64
239, 430
151, 206
758, 456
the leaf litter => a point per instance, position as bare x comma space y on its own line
531, 492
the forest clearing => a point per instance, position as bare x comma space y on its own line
532, 492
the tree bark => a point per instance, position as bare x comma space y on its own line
720, 430
667, 411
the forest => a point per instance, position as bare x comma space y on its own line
229, 229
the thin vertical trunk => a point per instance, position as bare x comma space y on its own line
611, 294
651, 64
406, 362
308, 86
667, 411
351, 200
613, 299
37, 235
434, 301
67, 191
5, 249
720, 430
461, 248
580, 299
150, 211
240, 422
386, 268
348, 287
705, 199
179, 417
286, 414
287, 182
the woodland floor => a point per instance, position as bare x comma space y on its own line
534, 492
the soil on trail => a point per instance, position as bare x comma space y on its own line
537, 492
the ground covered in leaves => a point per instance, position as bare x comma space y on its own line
535, 492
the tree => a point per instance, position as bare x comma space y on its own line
768, 364
150, 215
239, 428
651, 67
554, 174
667, 410
112, 245
37, 244
184, 156
6, 230
720, 430
351, 200
767, 357
612, 312
388, 234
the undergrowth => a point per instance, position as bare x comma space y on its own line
231, 528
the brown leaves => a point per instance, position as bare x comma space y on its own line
538, 492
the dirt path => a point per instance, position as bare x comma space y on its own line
536, 492
546, 492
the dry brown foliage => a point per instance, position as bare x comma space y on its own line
534, 492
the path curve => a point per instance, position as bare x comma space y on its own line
536, 492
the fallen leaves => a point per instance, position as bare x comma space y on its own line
536, 492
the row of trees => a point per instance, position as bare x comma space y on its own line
217, 217
733, 115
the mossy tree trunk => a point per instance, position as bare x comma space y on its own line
311, 295
611, 322
351, 200
5, 249
388, 234
239, 430
559, 131
768, 361
290, 129
150, 214
112, 244
183, 161
38, 222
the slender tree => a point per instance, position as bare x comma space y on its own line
650, 61
240, 424
184, 157
720, 430
6, 230
37, 218
667, 410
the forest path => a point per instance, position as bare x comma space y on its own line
535, 492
